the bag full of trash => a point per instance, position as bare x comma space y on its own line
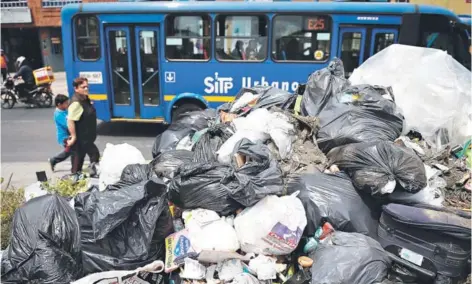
133, 174
256, 172
349, 258
123, 229
185, 125
210, 141
432, 90
166, 164
343, 124
321, 86
45, 243
273, 226
208, 231
379, 167
115, 158
332, 197
200, 185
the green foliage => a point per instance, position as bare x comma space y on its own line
66, 187
11, 199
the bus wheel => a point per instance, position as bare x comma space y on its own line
183, 108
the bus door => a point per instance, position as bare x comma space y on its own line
134, 71
351, 47
382, 38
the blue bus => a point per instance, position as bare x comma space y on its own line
467, 20
152, 61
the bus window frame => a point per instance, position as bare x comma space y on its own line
75, 38
272, 33
203, 37
236, 14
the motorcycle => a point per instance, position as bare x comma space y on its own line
40, 96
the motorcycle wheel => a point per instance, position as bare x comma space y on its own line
45, 99
8, 100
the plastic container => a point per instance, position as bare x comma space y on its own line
43, 75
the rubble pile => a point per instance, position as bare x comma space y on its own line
333, 184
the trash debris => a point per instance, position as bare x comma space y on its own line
115, 158
343, 124
432, 90
378, 167
193, 269
178, 247
133, 174
186, 124
142, 275
321, 86
273, 226
110, 219
229, 269
349, 258
34, 190
45, 243
258, 177
264, 267
245, 278
207, 231
226, 150
210, 141
332, 197
167, 163
199, 185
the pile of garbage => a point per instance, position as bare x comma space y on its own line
340, 182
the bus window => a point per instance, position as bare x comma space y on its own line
383, 40
351, 50
87, 38
241, 38
188, 38
301, 38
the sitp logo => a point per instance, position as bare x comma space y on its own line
218, 85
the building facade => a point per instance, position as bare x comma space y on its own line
32, 28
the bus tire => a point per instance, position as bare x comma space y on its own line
183, 108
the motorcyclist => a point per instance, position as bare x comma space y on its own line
24, 72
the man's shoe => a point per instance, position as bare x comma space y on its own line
52, 165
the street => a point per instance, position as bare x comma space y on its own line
29, 138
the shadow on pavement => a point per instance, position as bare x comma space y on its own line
130, 129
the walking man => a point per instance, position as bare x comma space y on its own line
82, 124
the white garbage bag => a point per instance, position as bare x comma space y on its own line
208, 231
34, 190
432, 90
273, 226
274, 124
225, 151
115, 158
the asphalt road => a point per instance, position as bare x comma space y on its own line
29, 138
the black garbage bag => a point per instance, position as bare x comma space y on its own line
333, 197
166, 164
379, 167
45, 243
321, 86
210, 142
272, 97
133, 174
186, 124
258, 177
345, 124
123, 229
370, 96
202, 185
352, 258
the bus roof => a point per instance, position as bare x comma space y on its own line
265, 7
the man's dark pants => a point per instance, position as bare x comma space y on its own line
79, 151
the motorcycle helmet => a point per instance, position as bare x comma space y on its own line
19, 61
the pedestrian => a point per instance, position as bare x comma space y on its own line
4, 64
82, 125
62, 132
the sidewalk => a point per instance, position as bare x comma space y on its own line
24, 173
